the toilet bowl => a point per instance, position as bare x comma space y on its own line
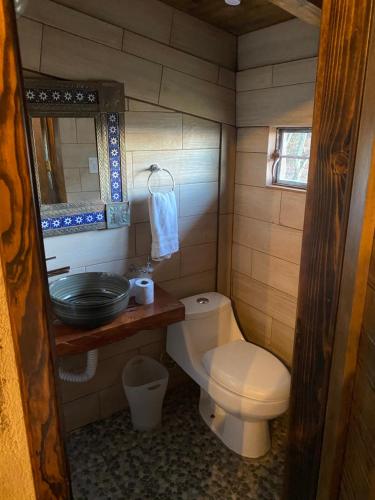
242, 385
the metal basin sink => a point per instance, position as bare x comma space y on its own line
89, 299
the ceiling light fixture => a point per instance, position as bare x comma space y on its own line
233, 2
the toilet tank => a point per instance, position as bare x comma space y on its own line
209, 322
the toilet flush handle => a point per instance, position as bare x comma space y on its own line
203, 300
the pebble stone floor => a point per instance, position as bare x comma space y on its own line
181, 460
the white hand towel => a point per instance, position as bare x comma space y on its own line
164, 227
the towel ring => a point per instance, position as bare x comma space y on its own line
156, 168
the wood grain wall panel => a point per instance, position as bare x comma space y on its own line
282, 341
71, 57
263, 47
275, 272
241, 259
59, 16
255, 325
199, 133
260, 203
153, 131
135, 105
203, 40
292, 210
251, 169
30, 40
191, 285
187, 166
255, 78
197, 229
227, 169
279, 241
227, 78
279, 106
198, 198
169, 57
253, 139
147, 17
198, 258
270, 301
186, 93
301, 71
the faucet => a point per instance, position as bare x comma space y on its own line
57, 272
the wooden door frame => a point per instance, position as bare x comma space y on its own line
344, 51
21, 255
336, 252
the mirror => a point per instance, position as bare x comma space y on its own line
65, 159
78, 138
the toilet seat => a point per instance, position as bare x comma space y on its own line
249, 371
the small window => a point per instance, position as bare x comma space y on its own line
291, 157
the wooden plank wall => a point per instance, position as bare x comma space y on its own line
358, 479
24, 283
337, 114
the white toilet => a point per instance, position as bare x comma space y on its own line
242, 385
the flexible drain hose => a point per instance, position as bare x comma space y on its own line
87, 374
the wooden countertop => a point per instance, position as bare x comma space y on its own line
164, 311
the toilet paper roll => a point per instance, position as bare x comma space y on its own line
144, 291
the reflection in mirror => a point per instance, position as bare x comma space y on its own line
66, 157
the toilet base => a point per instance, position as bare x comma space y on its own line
248, 438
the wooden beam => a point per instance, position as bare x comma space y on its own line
337, 115
21, 258
303, 9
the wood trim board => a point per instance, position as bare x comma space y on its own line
21, 255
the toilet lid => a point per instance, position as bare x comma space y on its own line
248, 370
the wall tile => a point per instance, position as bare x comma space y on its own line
77, 155
111, 400
143, 238
227, 78
203, 40
71, 57
280, 106
86, 130
259, 203
282, 341
200, 198
295, 72
197, 229
275, 272
263, 47
130, 15
197, 97
257, 78
135, 105
198, 258
272, 239
199, 133
153, 131
167, 269
30, 40
132, 344
253, 139
110, 245
81, 412
241, 259
224, 257
270, 301
227, 168
67, 130
191, 285
201, 165
255, 325
292, 211
72, 21
170, 57
72, 180
251, 169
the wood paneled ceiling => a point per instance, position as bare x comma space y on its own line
250, 15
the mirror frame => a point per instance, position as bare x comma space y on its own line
105, 102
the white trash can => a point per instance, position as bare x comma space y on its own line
145, 383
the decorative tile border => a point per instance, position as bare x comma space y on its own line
61, 96
72, 220
114, 153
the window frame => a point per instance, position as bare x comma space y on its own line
276, 156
